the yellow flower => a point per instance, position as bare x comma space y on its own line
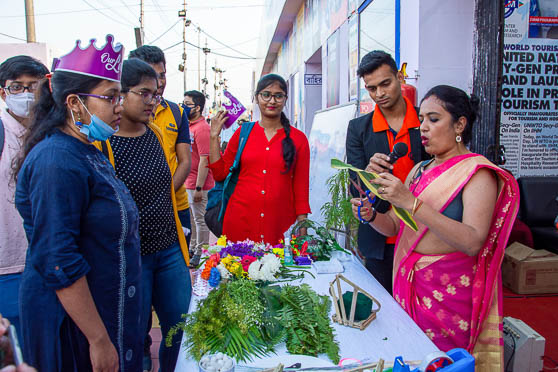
222, 241
279, 252
450, 289
438, 295
464, 325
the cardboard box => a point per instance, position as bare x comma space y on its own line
527, 271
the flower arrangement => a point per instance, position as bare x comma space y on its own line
254, 261
318, 245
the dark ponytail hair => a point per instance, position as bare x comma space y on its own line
289, 150
458, 104
49, 111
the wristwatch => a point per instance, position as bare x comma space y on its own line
198, 188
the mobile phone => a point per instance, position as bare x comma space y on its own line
16, 349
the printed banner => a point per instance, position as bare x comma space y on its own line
529, 119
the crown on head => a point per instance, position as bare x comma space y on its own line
103, 63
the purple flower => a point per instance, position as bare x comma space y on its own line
241, 249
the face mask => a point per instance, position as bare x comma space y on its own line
97, 130
20, 104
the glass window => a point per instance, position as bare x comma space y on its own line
377, 32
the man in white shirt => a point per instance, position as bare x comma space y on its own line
19, 79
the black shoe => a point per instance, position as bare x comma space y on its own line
195, 261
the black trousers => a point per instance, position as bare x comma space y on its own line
382, 269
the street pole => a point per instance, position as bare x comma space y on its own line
206, 51
184, 45
30, 21
142, 30
199, 60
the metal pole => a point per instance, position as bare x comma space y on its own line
142, 22
199, 60
184, 46
30, 21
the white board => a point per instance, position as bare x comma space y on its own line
327, 141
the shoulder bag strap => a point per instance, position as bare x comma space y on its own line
2, 137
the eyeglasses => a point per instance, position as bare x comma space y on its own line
279, 97
191, 105
114, 100
18, 88
148, 97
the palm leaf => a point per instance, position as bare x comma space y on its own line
366, 177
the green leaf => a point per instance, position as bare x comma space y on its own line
366, 177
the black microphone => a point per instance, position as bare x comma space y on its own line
400, 149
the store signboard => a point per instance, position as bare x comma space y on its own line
529, 118
312, 79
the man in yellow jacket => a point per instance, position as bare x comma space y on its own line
171, 119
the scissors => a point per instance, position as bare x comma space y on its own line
362, 195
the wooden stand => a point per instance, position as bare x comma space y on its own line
340, 315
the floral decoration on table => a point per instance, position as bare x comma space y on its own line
318, 244
250, 260
244, 320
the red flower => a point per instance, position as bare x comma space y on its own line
304, 249
246, 261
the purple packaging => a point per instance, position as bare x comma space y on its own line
234, 109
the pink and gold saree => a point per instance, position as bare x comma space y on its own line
454, 298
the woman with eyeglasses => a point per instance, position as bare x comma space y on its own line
140, 161
80, 289
272, 189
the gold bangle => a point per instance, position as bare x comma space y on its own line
416, 205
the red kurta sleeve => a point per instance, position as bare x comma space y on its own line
301, 176
221, 167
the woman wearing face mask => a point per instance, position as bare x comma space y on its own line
80, 292
272, 189
19, 79
141, 163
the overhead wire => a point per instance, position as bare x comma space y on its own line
163, 34
106, 15
60, 12
13, 37
223, 44
218, 54
121, 16
128, 7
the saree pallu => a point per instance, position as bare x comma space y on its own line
454, 298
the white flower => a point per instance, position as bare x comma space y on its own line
254, 271
265, 268
225, 274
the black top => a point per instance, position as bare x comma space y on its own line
141, 164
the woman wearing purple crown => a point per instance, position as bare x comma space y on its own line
80, 291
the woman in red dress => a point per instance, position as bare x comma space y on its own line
272, 189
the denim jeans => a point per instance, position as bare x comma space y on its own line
166, 284
9, 300
184, 217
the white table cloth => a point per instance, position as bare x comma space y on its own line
391, 334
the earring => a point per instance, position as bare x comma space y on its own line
458, 138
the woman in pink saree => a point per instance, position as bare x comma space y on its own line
447, 274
